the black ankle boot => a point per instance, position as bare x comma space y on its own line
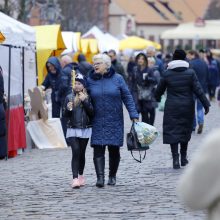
112, 180
183, 152
99, 168
176, 163
175, 155
113, 168
100, 181
184, 161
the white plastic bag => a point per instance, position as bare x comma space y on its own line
146, 133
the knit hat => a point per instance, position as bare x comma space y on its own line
179, 54
80, 78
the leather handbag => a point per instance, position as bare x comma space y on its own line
134, 145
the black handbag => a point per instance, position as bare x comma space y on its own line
134, 145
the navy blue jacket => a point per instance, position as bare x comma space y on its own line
108, 93
53, 80
65, 87
202, 72
214, 75
84, 66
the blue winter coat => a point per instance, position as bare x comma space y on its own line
65, 86
202, 71
53, 80
108, 93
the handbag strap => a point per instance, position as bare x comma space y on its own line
141, 158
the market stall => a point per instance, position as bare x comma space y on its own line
49, 43
17, 59
137, 43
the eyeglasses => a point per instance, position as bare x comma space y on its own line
97, 64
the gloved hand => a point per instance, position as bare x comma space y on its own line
206, 110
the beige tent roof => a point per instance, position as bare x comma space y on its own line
211, 31
180, 10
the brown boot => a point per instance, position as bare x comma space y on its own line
200, 128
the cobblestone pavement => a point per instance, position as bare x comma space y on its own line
36, 184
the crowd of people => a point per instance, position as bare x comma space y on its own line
93, 106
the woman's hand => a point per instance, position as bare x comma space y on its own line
82, 96
135, 120
70, 106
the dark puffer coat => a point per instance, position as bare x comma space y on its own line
53, 80
108, 93
181, 84
3, 143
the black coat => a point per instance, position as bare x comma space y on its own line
3, 143
181, 85
81, 115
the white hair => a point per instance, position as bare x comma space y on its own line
104, 58
66, 58
151, 48
151, 59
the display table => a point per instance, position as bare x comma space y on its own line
47, 134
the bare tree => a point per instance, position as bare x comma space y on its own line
82, 15
213, 9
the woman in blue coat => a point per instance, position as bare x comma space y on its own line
108, 91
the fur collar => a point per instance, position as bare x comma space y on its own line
177, 63
97, 76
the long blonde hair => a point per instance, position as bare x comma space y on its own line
77, 101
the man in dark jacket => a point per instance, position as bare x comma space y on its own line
3, 142
84, 66
66, 77
52, 81
65, 87
116, 65
201, 69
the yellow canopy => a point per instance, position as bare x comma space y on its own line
49, 43
89, 46
2, 38
137, 43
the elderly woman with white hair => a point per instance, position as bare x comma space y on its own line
108, 92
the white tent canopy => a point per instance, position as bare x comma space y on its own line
18, 35
15, 32
71, 40
105, 40
210, 31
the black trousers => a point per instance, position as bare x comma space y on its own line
99, 151
183, 149
56, 108
148, 115
211, 91
78, 146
